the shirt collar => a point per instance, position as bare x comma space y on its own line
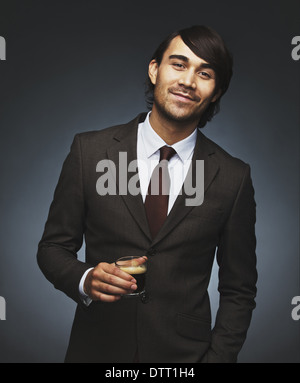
153, 142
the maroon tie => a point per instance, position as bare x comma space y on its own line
156, 203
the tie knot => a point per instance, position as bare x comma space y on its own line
166, 153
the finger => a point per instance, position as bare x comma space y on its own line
115, 275
109, 273
97, 289
107, 298
107, 280
109, 293
98, 295
141, 260
111, 289
112, 283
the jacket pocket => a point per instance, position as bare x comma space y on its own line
193, 327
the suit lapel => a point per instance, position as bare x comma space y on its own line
126, 143
203, 151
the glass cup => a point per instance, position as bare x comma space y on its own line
137, 267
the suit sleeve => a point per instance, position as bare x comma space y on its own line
64, 229
237, 277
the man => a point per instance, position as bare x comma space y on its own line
188, 74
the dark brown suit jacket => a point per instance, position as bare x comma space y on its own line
174, 323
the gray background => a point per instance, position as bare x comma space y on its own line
74, 66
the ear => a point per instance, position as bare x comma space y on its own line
216, 96
152, 71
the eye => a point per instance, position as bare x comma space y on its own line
178, 65
205, 75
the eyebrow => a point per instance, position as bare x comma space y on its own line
179, 57
186, 59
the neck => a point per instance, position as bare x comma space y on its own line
170, 131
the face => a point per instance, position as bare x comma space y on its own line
184, 84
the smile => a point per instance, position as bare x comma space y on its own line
183, 97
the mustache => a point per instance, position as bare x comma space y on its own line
185, 92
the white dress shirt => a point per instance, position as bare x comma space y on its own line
148, 145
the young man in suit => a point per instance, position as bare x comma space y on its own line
188, 74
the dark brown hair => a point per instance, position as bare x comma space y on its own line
207, 44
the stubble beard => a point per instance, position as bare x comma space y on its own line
175, 114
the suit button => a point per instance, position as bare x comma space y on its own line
145, 297
152, 251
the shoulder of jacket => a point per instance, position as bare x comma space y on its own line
95, 134
109, 132
224, 156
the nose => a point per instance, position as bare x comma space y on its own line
187, 79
